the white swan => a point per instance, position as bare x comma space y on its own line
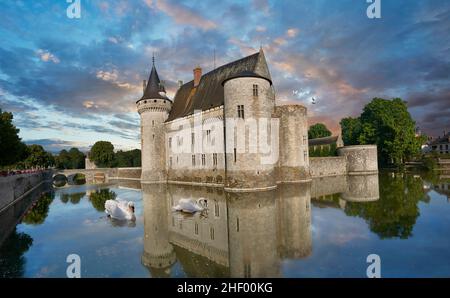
190, 206
121, 210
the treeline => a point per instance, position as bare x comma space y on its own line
103, 155
16, 154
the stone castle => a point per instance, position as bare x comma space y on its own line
224, 129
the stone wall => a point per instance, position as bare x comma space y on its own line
14, 188
14, 213
361, 159
328, 166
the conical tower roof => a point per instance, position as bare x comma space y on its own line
154, 86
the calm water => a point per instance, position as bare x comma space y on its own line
326, 228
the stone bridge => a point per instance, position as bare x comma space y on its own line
102, 174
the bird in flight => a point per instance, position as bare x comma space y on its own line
313, 101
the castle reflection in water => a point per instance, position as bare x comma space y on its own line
241, 234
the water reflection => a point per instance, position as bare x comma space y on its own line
395, 215
39, 210
14, 244
12, 261
100, 196
323, 228
73, 198
242, 234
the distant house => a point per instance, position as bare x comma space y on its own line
441, 145
325, 146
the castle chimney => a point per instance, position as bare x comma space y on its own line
197, 75
180, 83
144, 84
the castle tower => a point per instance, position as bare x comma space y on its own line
154, 108
252, 227
251, 150
294, 155
158, 255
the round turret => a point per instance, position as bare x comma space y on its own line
251, 149
154, 108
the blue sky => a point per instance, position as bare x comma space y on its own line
71, 82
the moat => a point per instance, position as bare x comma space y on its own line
325, 228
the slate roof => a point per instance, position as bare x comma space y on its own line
154, 86
209, 93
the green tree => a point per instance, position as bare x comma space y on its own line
38, 157
130, 158
77, 158
318, 130
351, 129
12, 150
388, 124
72, 159
63, 160
102, 154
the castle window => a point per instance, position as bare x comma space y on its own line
255, 90
196, 228
153, 136
216, 209
305, 155
192, 139
193, 160
203, 159
235, 155
153, 122
215, 159
304, 140
208, 136
177, 159
237, 224
170, 142
170, 161
240, 109
211, 233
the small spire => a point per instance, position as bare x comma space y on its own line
153, 58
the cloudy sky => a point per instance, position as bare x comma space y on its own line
71, 82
